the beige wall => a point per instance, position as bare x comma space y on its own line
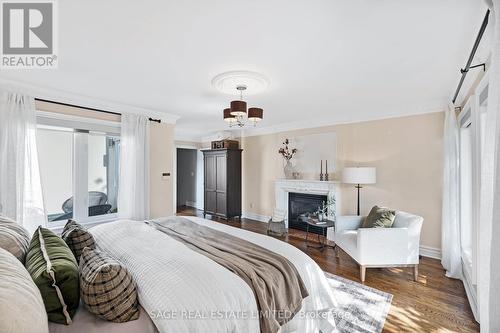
161, 161
407, 152
75, 111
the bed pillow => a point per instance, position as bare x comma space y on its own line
21, 305
107, 288
14, 238
54, 270
77, 237
380, 217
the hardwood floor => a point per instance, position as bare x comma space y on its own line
433, 304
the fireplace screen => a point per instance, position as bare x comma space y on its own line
300, 207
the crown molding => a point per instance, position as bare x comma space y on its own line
306, 124
84, 101
221, 135
324, 122
189, 138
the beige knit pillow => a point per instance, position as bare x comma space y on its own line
21, 304
107, 288
14, 238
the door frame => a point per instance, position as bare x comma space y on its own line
193, 146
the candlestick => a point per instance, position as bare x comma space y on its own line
326, 170
321, 171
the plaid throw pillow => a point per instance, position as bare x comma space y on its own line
107, 288
77, 237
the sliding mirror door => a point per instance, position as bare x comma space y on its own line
472, 139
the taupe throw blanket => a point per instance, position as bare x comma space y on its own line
277, 285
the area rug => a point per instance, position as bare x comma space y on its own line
361, 308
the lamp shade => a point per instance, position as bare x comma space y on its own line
359, 175
227, 116
238, 108
255, 114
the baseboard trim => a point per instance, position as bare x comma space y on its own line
430, 252
425, 251
191, 204
194, 204
254, 216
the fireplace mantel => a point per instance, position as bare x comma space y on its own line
306, 185
284, 186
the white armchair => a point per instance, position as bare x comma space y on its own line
381, 247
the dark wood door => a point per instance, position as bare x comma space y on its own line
210, 202
221, 184
221, 173
221, 204
210, 184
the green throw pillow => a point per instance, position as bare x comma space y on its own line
54, 270
380, 217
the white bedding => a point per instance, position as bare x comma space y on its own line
184, 291
86, 322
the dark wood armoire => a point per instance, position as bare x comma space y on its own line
222, 182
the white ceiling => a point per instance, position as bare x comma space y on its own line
328, 61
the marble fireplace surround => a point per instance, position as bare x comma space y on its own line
285, 186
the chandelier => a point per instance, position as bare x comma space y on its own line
238, 115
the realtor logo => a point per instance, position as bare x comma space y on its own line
28, 34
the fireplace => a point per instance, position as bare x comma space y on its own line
300, 206
284, 188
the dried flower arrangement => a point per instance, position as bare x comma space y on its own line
286, 152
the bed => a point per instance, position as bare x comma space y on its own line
181, 290
86, 322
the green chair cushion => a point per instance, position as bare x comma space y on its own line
54, 270
379, 217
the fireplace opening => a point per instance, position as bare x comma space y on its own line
300, 207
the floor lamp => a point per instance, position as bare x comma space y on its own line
359, 176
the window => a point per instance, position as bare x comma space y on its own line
472, 140
55, 154
103, 172
466, 215
79, 169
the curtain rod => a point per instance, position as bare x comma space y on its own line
87, 108
471, 56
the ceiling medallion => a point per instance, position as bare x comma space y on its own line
243, 81
227, 82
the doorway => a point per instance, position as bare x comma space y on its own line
189, 178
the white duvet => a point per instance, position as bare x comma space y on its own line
184, 291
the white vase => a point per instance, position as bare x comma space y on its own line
288, 170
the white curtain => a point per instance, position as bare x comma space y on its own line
489, 231
20, 187
450, 242
133, 191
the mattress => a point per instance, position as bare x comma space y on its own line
86, 322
